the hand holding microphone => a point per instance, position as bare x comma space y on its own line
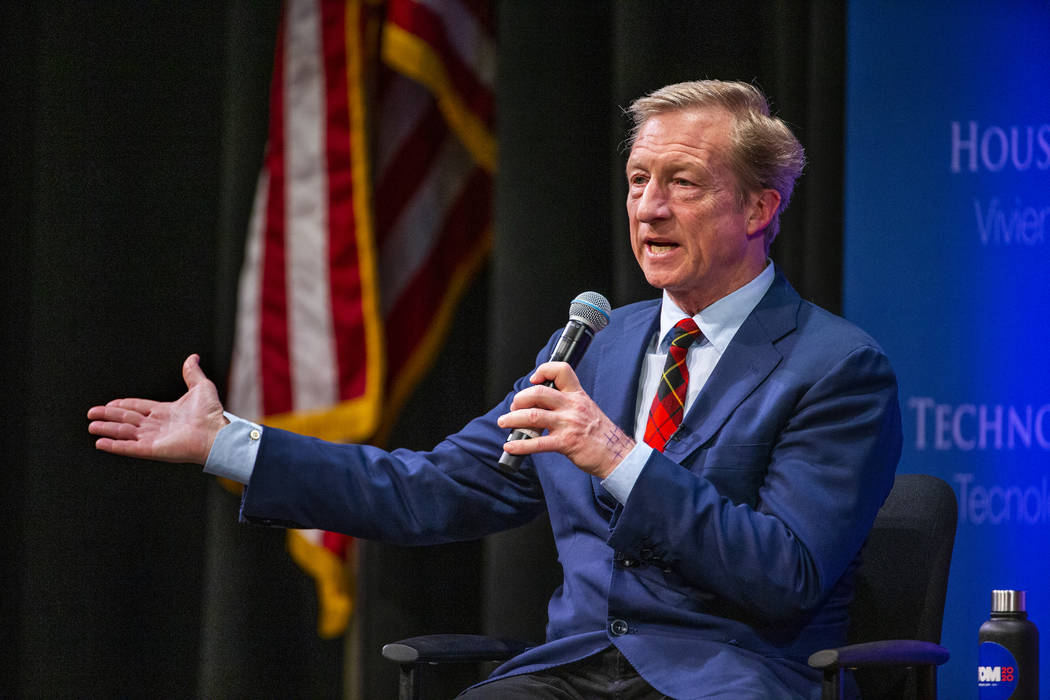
588, 314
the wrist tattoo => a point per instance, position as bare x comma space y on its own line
617, 443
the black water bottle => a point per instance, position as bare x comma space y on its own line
1008, 661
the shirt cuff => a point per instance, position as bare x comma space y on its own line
621, 481
234, 451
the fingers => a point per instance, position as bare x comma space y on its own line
122, 411
192, 373
537, 396
536, 407
116, 435
124, 448
115, 421
543, 443
533, 408
126, 407
115, 430
117, 426
561, 373
531, 418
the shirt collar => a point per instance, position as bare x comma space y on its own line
720, 321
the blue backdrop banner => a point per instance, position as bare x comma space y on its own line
948, 265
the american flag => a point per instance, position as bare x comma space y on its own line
372, 212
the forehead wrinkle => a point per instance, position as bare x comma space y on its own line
702, 134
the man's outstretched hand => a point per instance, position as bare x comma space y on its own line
178, 431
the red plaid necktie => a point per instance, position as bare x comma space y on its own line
665, 415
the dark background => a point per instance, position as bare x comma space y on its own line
132, 136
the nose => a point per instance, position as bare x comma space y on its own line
652, 203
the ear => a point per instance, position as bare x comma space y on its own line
763, 206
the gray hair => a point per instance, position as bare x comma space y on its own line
763, 153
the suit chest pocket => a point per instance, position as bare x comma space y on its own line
737, 471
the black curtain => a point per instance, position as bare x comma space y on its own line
133, 134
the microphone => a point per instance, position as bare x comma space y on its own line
588, 314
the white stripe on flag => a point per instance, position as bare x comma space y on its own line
245, 394
311, 343
415, 233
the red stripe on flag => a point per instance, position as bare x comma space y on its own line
344, 277
273, 321
336, 543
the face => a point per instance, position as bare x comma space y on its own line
689, 232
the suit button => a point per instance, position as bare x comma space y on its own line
618, 628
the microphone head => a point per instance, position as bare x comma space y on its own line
590, 309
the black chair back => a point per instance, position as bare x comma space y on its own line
903, 576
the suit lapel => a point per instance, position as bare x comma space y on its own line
616, 389
750, 358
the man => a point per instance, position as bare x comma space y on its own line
709, 486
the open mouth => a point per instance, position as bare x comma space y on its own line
660, 247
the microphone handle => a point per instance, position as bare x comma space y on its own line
573, 343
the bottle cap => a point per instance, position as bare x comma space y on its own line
1008, 601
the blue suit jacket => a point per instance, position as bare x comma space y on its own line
732, 560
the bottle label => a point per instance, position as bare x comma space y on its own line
996, 672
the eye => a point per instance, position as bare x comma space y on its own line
638, 179
682, 182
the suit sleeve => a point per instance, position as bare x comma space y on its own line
454, 492
829, 470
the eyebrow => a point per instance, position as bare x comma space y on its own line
674, 165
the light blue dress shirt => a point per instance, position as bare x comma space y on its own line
233, 453
235, 448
